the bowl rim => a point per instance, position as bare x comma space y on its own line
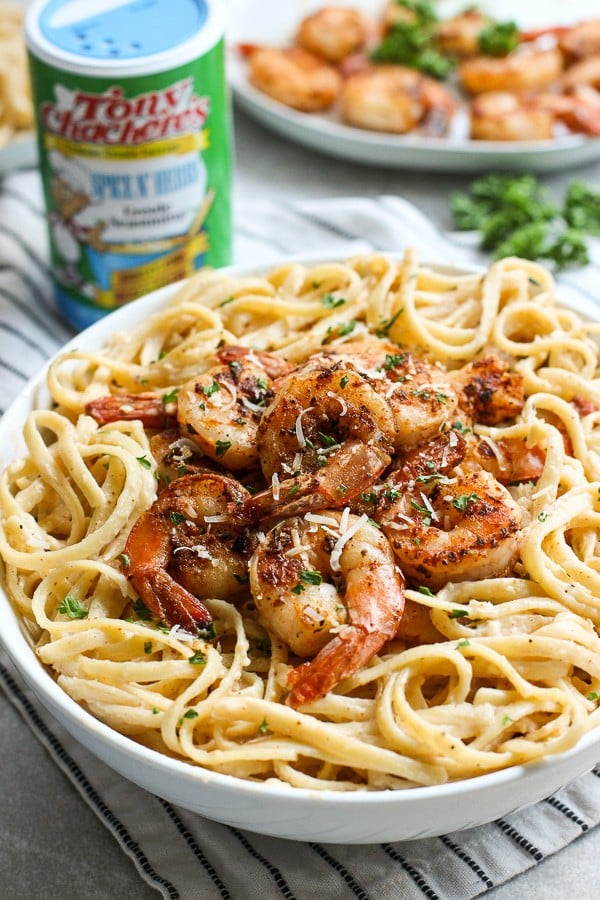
19, 649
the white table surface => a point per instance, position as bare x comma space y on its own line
52, 846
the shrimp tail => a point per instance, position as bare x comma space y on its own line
274, 366
344, 655
150, 408
169, 601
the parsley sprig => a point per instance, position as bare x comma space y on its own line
517, 216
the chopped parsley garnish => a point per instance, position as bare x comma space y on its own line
73, 608
222, 447
197, 658
330, 301
458, 614
171, 397
412, 43
176, 518
310, 577
425, 590
343, 381
422, 509
226, 301
593, 695
506, 720
211, 389
387, 324
462, 429
190, 714
262, 384
345, 328
125, 559
463, 501
464, 643
263, 727
141, 610
498, 39
147, 646
434, 476
393, 359
327, 440
517, 216
369, 497
144, 462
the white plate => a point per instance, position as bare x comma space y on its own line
299, 814
274, 22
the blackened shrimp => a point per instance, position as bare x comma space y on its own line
459, 528
488, 392
326, 437
189, 545
330, 590
218, 410
420, 394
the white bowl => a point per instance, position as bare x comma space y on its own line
299, 814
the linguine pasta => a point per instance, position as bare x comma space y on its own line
514, 674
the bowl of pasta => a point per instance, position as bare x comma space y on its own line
311, 549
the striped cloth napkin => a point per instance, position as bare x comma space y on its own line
179, 853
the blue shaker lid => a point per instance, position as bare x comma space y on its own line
120, 30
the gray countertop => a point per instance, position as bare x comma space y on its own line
51, 844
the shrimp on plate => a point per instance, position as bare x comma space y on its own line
189, 544
502, 116
525, 69
419, 393
294, 77
396, 99
445, 528
488, 391
331, 590
326, 436
576, 41
334, 32
218, 410
459, 35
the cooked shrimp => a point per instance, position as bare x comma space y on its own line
582, 39
218, 410
576, 42
330, 588
524, 69
396, 99
326, 437
176, 455
188, 545
488, 391
317, 410
459, 36
419, 393
333, 32
579, 108
509, 460
585, 72
502, 116
295, 77
453, 529
397, 14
